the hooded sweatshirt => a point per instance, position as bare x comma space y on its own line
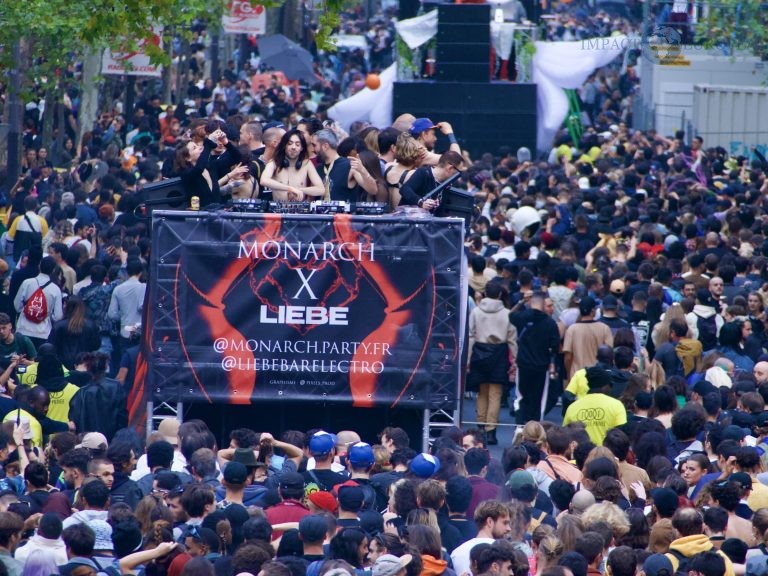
37, 543
85, 517
689, 546
434, 567
489, 324
705, 312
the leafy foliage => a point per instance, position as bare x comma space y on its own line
736, 25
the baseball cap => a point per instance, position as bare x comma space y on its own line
616, 287
273, 124
421, 125
351, 497
361, 453
313, 528
425, 465
235, 473
610, 303
94, 441
666, 501
390, 565
291, 480
520, 479
169, 429
324, 500
742, 478
657, 565
732, 432
321, 443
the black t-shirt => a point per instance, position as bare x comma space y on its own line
338, 179
614, 323
419, 185
325, 479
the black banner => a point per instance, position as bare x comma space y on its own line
341, 308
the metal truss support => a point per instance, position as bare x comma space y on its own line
157, 411
435, 421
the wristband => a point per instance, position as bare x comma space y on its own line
452, 138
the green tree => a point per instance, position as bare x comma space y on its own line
737, 25
41, 39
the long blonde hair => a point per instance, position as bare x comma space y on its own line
660, 333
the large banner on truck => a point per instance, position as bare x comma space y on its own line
331, 308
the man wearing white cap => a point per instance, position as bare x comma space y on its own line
389, 565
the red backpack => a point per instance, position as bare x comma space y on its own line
36, 307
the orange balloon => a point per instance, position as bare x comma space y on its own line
372, 81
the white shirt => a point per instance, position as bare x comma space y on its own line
179, 464
460, 556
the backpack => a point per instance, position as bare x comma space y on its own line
536, 522
36, 307
109, 570
25, 239
682, 563
707, 332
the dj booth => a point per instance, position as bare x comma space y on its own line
345, 310
169, 195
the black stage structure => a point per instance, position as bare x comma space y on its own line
278, 321
485, 114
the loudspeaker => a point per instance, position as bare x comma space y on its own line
458, 203
463, 43
463, 52
463, 71
484, 116
464, 14
164, 195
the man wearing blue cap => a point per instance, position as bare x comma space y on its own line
423, 130
322, 446
360, 460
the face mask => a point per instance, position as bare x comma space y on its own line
540, 204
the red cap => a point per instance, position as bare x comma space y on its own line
324, 500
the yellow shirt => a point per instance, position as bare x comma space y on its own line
758, 497
29, 376
34, 425
599, 413
15, 224
59, 407
578, 385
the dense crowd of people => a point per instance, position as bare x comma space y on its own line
622, 276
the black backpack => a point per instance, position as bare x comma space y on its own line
25, 239
707, 332
682, 563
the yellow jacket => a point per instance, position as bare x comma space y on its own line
689, 546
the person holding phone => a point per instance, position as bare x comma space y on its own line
192, 163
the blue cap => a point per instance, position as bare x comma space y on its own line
421, 125
361, 453
425, 465
658, 565
322, 442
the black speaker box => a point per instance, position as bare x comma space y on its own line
484, 116
463, 71
462, 33
476, 52
464, 14
164, 195
457, 203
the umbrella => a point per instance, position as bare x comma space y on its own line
282, 54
